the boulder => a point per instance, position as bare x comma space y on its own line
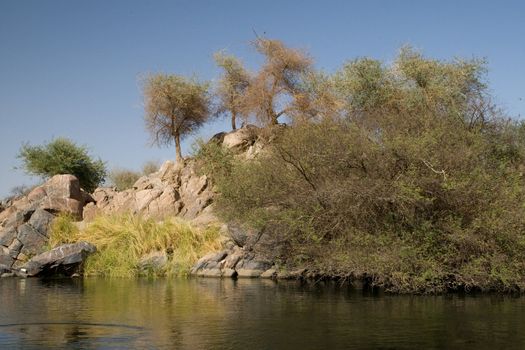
65, 260
153, 262
24, 224
241, 139
7, 235
270, 273
239, 234
40, 221
252, 267
32, 241
62, 194
5, 257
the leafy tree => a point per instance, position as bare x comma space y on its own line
231, 86
175, 106
276, 89
418, 186
62, 156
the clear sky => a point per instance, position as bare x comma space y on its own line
72, 68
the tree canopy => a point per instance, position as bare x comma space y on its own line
275, 90
62, 156
175, 106
410, 177
232, 86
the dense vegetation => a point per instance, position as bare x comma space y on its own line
62, 156
406, 175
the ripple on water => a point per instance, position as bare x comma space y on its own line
70, 335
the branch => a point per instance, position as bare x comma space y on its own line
442, 172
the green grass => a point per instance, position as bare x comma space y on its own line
122, 240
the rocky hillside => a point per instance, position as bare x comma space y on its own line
174, 190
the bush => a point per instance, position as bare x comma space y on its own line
62, 156
150, 167
413, 188
123, 179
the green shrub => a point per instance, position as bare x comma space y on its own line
418, 186
123, 179
62, 156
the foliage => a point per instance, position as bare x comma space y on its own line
415, 184
150, 167
175, 106
123, 179
275, 90
232, 86
213, 159
122, 240
62, 156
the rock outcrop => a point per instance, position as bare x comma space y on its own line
24, 224
174, 190
65, 260
249, 253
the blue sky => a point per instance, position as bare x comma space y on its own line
72, 68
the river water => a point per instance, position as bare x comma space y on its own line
247, 314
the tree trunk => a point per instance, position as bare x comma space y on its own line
177, 148
234, 118
274, 120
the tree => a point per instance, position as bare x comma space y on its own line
276, 87
231, 86
123, 179
175, 106
62, 156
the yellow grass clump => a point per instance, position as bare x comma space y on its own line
122, 240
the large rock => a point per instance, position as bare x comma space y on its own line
174, 190
65, 260
234, 262
154, 262
25, 223
60, 194
241, 139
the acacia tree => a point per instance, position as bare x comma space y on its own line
175, 106
276, 88
232, 86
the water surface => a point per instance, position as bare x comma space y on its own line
247, 314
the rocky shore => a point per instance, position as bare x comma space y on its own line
176, 190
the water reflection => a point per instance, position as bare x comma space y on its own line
253, 314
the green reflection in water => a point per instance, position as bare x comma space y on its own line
246, 314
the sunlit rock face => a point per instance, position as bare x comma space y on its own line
24, 223
174, 190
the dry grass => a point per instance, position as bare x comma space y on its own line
122, 241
